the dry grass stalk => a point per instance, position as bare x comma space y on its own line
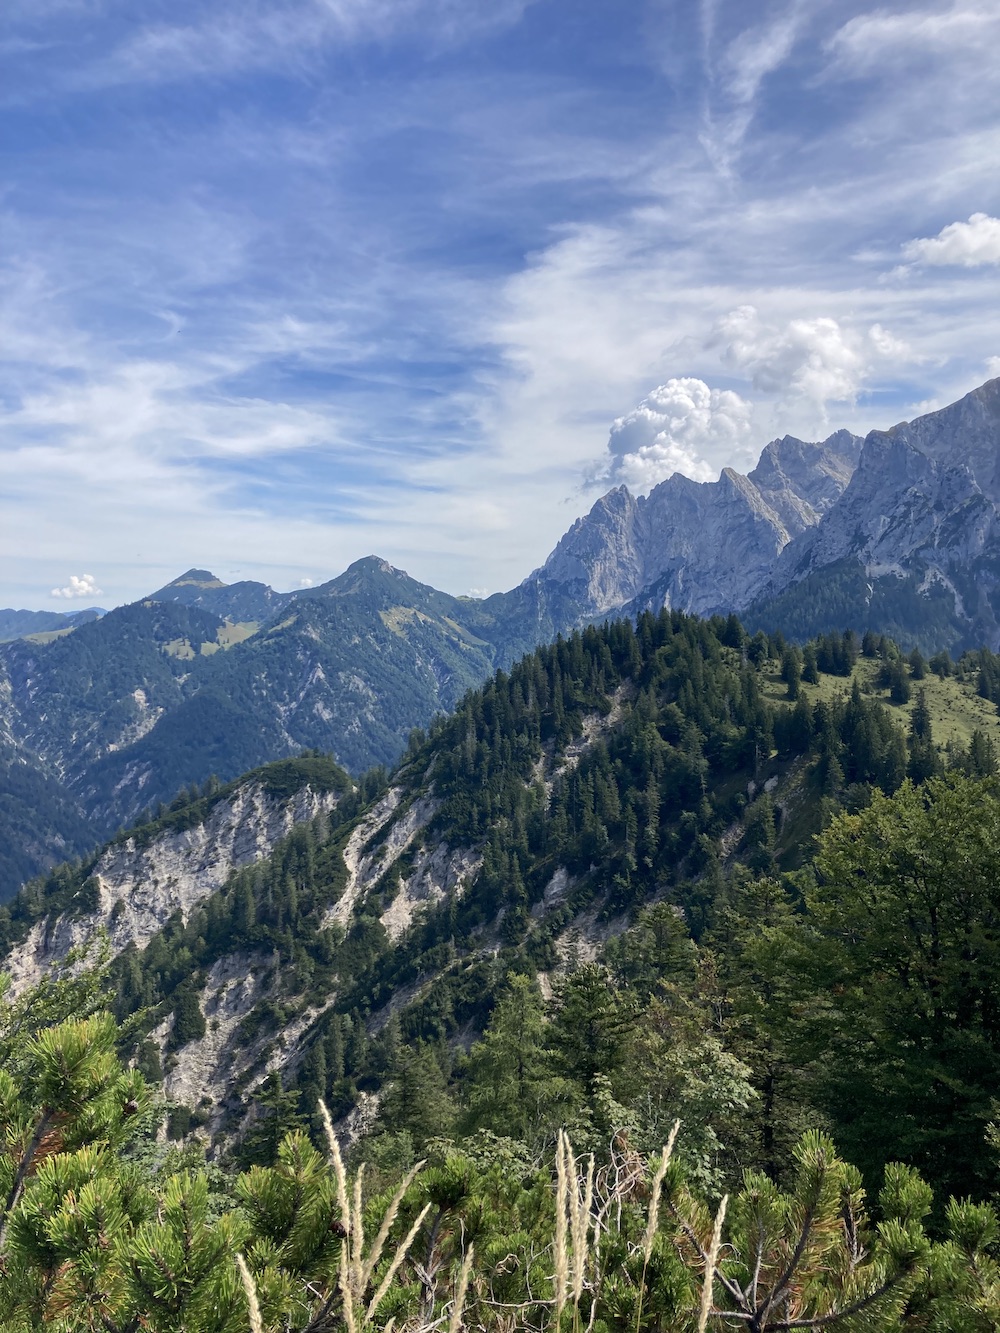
562, 1205
250, 1287
402, 1250
458, 1306
574, 1206
355, 1239
386, 1225
582, 1202
338, 1165
653, 1217
711, 1261
357, 1268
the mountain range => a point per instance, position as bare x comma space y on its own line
105, 720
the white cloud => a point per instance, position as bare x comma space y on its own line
305, 583
993, 367
682, 426
871, 41
273, 35
756, 53
819, 360
889, 346
80, 585
746, 63
965, 244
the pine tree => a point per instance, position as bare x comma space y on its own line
917, 665
511, 1089
791, 672
418, 1100
924, 761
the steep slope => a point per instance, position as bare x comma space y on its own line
912, 547
616, 768
162, 870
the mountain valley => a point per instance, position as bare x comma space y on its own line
896, 532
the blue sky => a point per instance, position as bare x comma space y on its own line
286, 282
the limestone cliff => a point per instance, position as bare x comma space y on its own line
919, 519
695, 546
137, 884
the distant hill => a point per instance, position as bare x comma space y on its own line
166, 692
239, 602
19, 624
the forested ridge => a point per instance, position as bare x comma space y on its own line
712, 878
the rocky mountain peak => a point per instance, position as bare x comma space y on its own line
197, 578
699, 546
919, 519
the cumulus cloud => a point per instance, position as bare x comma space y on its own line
305, 583
682, 426
817, 360
964, 244
80, 585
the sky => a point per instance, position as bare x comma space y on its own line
284, 283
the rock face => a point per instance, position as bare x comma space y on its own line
899, 532
917, 528
140, 885
695, 546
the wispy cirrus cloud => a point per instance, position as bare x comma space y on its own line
736, 77
870, 41
289, 34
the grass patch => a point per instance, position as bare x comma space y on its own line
956, 709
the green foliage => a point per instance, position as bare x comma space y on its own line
908, 910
